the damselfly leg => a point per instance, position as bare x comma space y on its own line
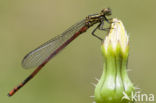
100, 27
93, 33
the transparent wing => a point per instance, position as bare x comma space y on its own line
39, 55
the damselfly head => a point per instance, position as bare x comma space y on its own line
106, 12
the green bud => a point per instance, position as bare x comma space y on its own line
114, 82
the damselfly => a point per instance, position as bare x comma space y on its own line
40, 56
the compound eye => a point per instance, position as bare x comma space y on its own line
108, 11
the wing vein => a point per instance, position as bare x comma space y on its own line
38, 55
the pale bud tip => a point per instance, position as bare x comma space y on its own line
116, 36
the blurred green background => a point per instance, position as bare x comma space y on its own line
25, 24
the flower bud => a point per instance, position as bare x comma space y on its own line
114, 82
